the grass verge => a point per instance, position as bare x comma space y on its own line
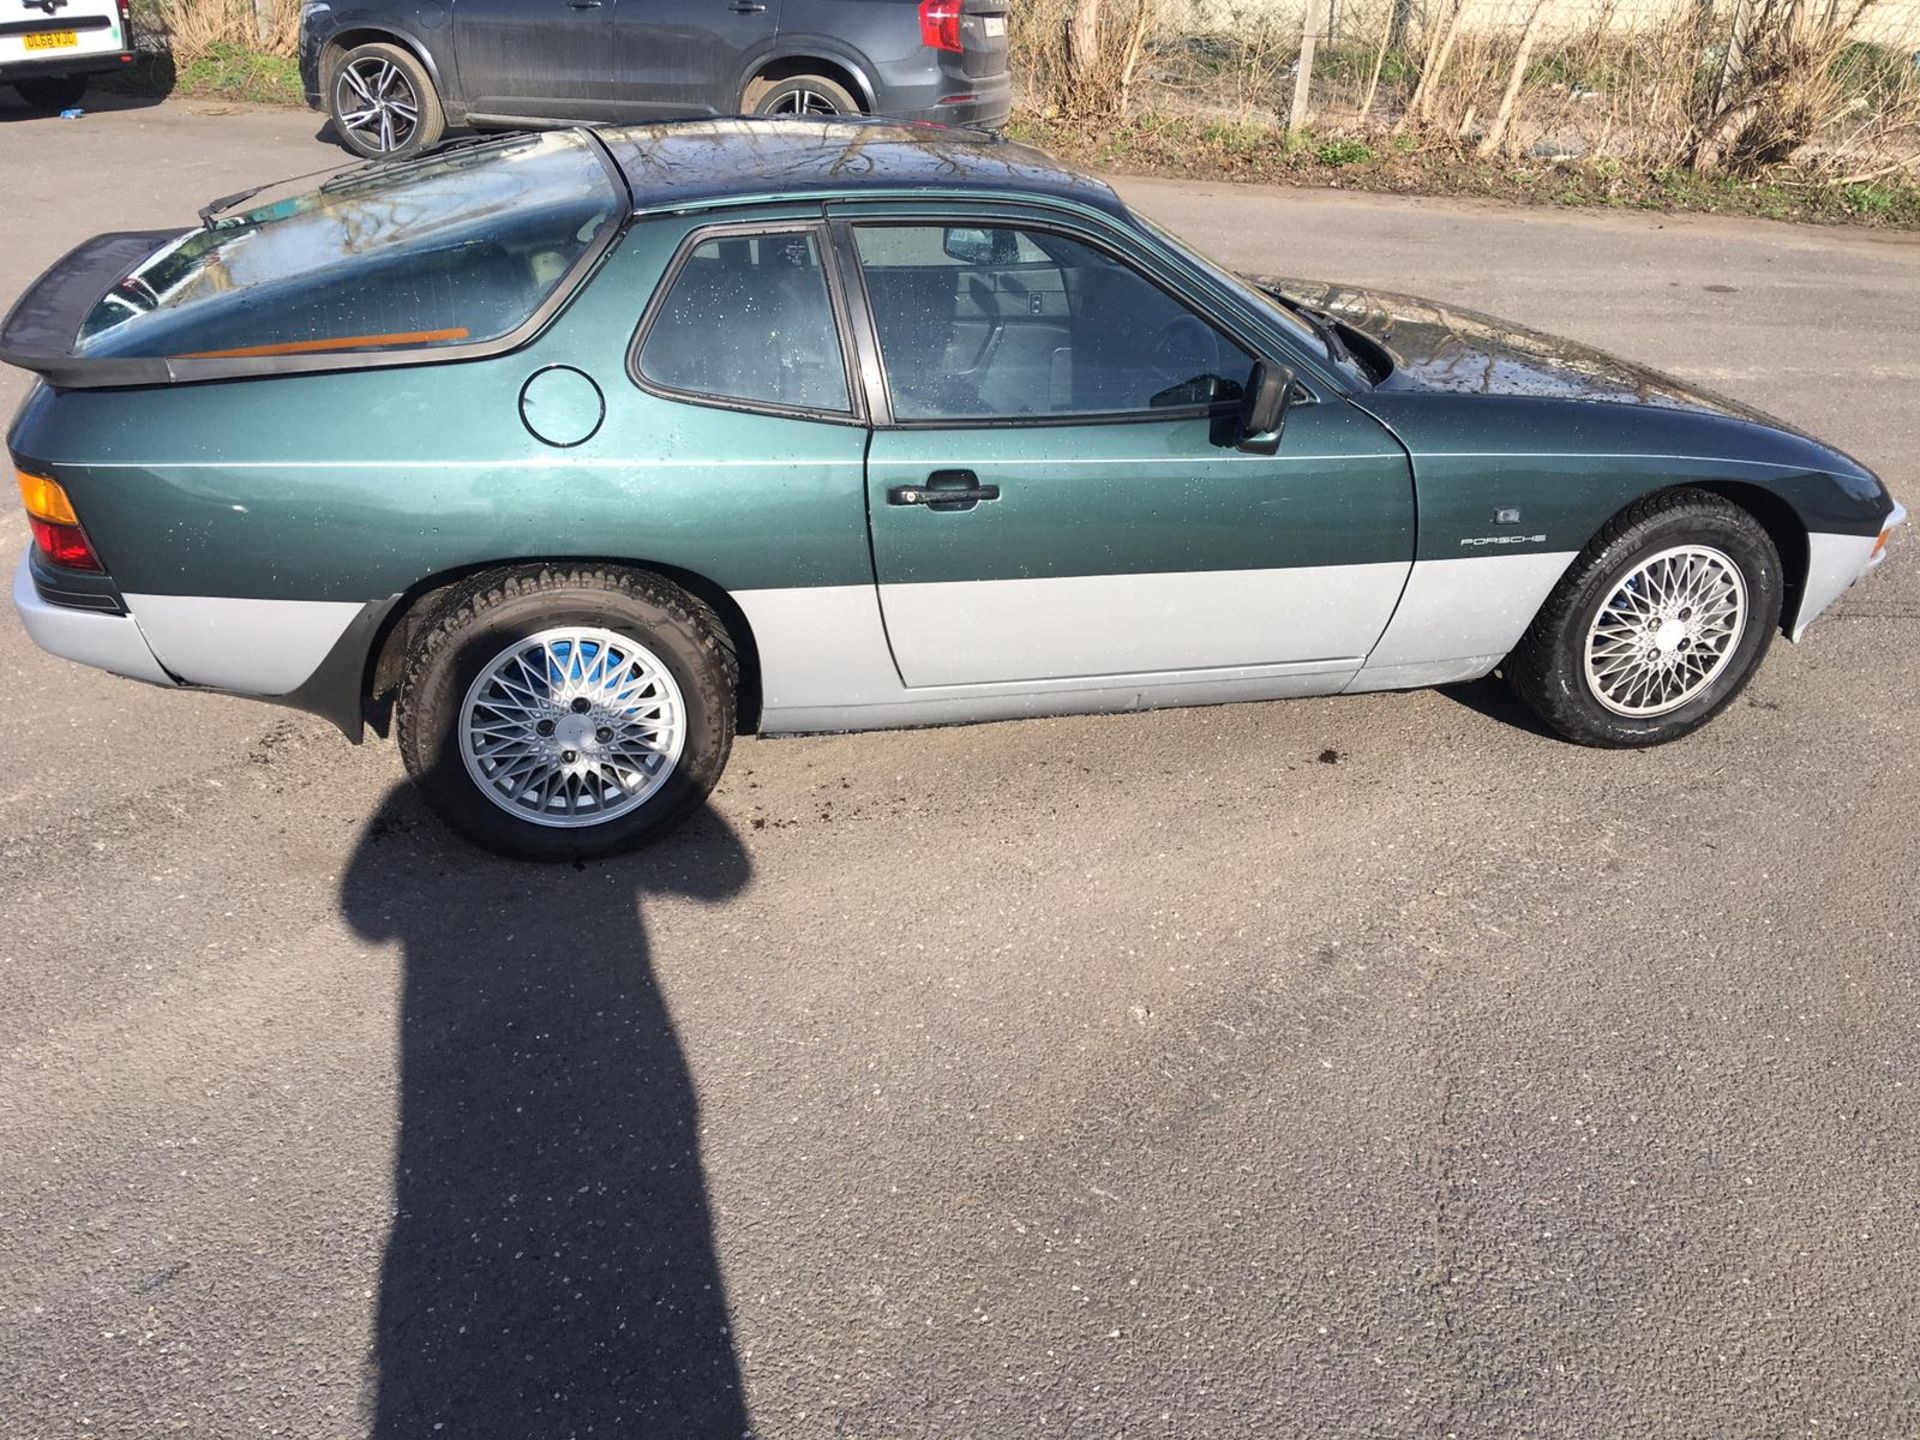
225, 72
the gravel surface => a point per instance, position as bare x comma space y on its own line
1351, 1067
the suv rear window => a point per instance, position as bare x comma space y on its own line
451, 249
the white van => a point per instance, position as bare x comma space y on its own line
48, 48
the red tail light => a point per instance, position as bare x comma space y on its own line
940, 24
64, 545
56, 529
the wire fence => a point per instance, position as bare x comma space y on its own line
1737, 86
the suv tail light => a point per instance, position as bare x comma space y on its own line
940, 24
56, 529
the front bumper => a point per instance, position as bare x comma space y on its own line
99, 638
1835, 562
1894, 522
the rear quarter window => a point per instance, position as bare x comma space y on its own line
453, 249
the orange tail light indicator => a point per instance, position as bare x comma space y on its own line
56, 529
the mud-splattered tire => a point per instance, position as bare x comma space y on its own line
1657, 625
555, 714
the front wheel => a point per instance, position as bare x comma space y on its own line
555, 715
51, 94
383, 104
1657, 625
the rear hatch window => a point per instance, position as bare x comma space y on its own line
455, 248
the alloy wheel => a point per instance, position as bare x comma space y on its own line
572, 726
377, 104
1666, 631
803, 101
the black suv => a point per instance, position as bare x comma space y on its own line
394, 74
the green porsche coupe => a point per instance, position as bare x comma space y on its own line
566, 456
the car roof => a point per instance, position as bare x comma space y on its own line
679, 164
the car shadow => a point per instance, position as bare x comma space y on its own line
1494, 698
100, 97
550, 1269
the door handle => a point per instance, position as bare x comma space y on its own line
583, 4
746, 7
944, 490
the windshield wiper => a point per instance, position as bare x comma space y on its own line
1322, 325
213, 209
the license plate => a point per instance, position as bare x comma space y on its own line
993, 26
52, 40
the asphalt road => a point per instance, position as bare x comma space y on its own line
1134, 1076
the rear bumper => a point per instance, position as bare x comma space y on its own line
950, 101
99, 62
98, 638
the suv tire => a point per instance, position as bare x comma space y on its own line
382, 102
801, 95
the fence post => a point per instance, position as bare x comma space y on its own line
263, 23
1303, 76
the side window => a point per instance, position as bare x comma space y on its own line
748, 318
1001, 323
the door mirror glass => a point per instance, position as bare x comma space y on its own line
1263, 407
981, 247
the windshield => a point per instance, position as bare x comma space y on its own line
449, 249
1258, 298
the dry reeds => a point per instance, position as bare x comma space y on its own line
1732, 87
196, 28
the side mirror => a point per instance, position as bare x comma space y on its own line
980, 247
1263, 407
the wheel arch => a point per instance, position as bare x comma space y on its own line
1777, 516
815, 59
416, 610
354, 36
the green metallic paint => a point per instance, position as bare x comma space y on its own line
363, 484
358, 485
1144, 497
1568, 466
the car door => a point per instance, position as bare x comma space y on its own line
541, 59
1109, 526
688, 57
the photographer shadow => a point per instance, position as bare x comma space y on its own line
550, 1270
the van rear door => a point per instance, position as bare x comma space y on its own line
41, 41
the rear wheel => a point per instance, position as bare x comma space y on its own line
561, 714
382, 102
52, 93
1656, 627
801, 95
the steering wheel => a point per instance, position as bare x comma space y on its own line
1183, 348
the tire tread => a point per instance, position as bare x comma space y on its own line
1535, 669
476, 598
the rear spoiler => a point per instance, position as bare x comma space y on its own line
42, 331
